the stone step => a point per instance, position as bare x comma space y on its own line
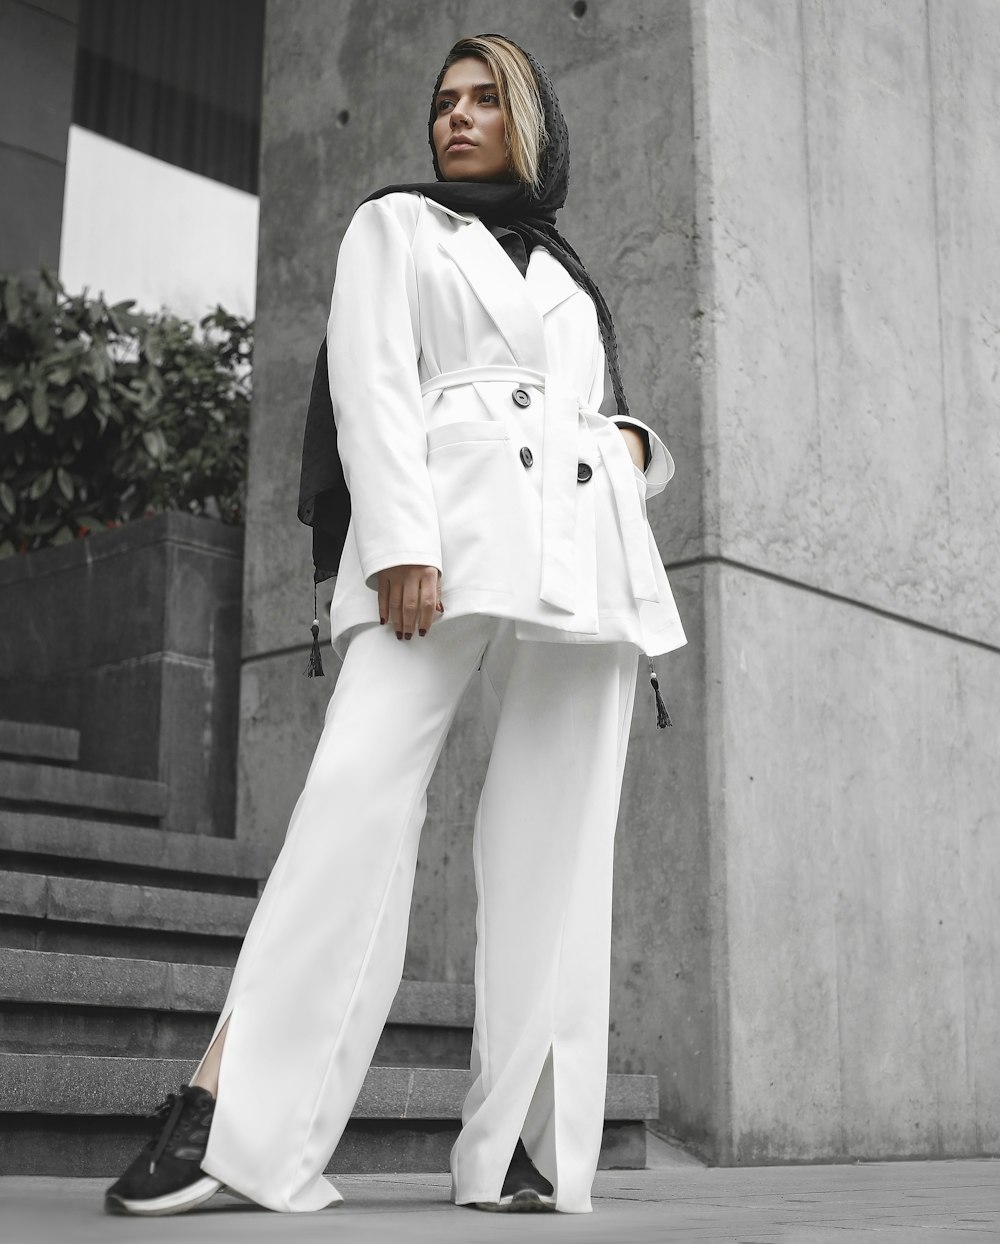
77, 915
50, 786
64, 1084
22, 738
40, 843
87, 1004
80, 1115
92, 980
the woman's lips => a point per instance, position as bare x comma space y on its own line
460, 146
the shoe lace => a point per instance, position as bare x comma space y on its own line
168, 1112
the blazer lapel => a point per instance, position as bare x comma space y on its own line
548, 282
499, 286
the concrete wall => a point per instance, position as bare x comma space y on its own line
807, 866
37, 64
847, 165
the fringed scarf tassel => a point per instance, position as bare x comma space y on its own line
315, 667
662, 716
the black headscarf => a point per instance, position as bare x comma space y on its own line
324, 501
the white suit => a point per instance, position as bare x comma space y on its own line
429, 315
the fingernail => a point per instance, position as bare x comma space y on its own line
409, 634
399, 634
423, 630
382, 620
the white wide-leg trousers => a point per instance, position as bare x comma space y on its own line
323, 955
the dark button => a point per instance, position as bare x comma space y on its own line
583, 472
526, 456
522, 397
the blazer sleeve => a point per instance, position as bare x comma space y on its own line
373, 344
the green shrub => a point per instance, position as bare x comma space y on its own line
108, 414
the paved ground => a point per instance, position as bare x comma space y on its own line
676, 1200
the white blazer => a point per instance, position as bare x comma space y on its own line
466, 401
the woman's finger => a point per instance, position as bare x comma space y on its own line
383, 596
411, 600
395, 614
428, 600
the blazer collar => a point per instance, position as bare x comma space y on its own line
448, 211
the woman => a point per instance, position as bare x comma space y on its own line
467, 350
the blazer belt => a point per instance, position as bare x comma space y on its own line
564, 414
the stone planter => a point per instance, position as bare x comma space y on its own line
132, 637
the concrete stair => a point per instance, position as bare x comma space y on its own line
89, 1113
20, 738
64, 846
43, 912
117, 941
110, 1007
51, 786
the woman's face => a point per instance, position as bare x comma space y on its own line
469, 130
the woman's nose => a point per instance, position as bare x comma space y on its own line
458, 117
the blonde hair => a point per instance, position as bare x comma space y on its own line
520, 101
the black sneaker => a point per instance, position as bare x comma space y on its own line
524, 1191
166, 1177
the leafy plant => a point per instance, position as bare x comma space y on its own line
108, 414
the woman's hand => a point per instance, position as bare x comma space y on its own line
408, 598
636, 446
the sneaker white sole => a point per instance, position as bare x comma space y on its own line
172, 1203
526, 1201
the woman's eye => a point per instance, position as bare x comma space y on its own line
442, 104
490, 97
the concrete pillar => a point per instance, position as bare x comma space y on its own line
37, 66
788, 207
847, 164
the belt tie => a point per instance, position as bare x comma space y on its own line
563, 415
